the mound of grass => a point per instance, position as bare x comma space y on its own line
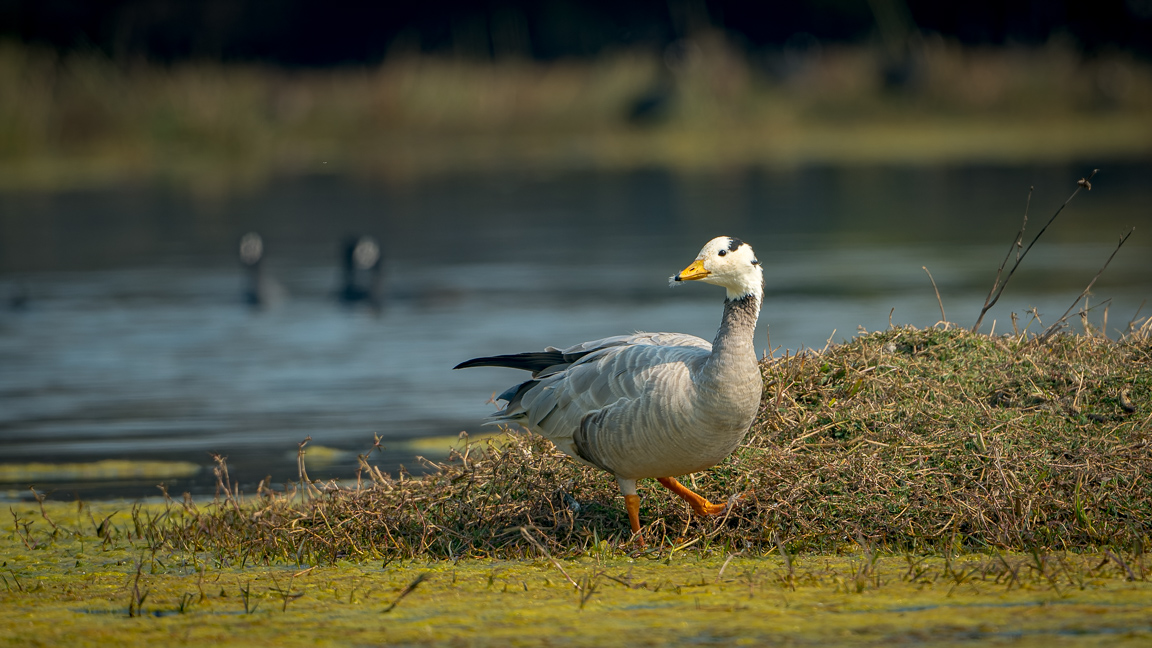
904, 440
913, 437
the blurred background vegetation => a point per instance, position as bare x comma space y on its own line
215, 94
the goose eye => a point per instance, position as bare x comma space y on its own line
755, 261
722, 252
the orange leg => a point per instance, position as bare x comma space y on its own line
698, 504
632, 504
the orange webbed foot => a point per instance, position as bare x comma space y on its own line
699, 505
708, 508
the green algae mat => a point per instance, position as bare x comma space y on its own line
87, 574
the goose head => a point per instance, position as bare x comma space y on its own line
728, 262
363, 271
251, 249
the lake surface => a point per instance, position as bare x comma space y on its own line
124, 333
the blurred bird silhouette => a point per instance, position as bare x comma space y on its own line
902, 66
655, 104
260, 290
363, 274
18, 299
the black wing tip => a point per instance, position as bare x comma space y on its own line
535, 361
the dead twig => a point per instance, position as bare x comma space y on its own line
407, 590
309, 488
998, 286
1120, 561
136, 602
943, 317
1051, 330
40, 500
536, 543
588, 588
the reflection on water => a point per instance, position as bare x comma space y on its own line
127, 335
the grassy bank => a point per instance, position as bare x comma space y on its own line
82, 119
904, 440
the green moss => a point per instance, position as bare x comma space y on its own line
34, 472
63, 583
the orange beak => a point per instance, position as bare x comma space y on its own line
693, 272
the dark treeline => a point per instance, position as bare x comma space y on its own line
334, 32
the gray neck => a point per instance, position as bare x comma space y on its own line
734, 341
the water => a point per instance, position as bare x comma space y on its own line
133, 341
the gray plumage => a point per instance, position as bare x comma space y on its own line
650, 404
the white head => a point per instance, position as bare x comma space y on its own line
729, 262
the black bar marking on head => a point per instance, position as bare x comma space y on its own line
734, 243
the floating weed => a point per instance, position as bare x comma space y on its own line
246, 597
16, 580
866, 574
420, 578
788, 578
587, 587
137, 597
1010, 573
286, 594
1119, 560
917, 572
22, 530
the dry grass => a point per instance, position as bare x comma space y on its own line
914, 438
901, 440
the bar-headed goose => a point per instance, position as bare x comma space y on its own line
651, 404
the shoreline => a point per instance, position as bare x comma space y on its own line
84, 120
404, 159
